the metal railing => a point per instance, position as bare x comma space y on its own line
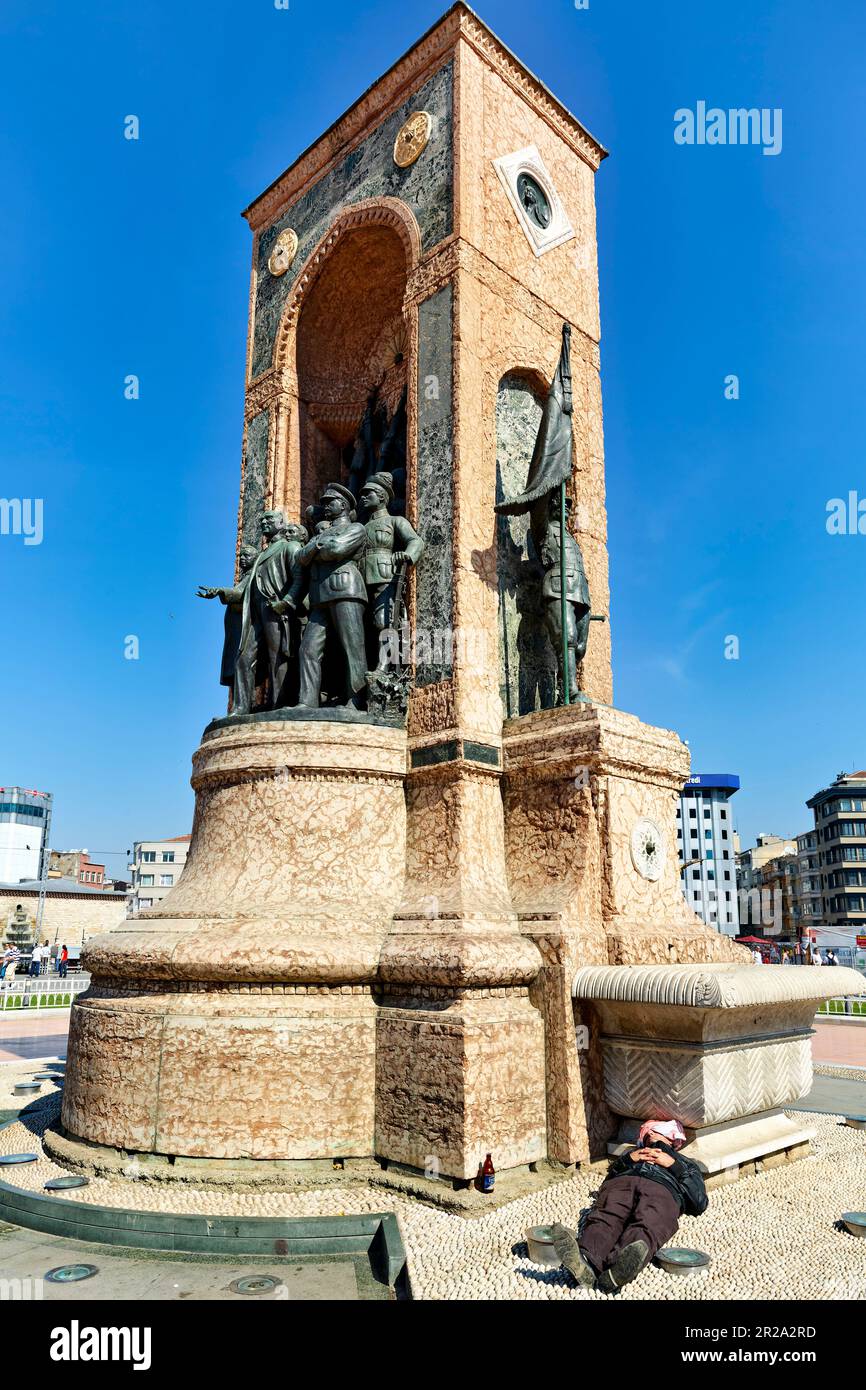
45, 992
854, 1006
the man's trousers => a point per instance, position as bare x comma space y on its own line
628, 1209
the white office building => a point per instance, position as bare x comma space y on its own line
705, 845
25, 824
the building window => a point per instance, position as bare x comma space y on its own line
168, 856
166, 880
147, 880
148, 856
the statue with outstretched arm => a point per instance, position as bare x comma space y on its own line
233, 599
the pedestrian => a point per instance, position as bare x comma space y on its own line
35, 960
786, 957
756, 956
831, 957
636, 1211
817, 958
63, 960
45, 960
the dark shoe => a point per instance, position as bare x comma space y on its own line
627, 1266
571, 1256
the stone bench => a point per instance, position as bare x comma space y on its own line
721, 1048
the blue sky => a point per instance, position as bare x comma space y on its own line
121, 257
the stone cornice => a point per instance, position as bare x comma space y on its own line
531, 88
388, 91
714, 986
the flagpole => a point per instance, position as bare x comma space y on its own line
563, 601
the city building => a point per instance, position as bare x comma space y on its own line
767, 884
809, 880
840, 829
751, 861
705, 845
71, 914
778, 882
77, 864
155, 869
25, 823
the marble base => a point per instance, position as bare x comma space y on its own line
238, 1019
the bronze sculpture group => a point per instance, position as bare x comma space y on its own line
309, 618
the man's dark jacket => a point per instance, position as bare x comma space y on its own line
684, 1180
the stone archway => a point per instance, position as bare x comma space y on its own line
344, 331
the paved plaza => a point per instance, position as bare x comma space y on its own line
773, 1235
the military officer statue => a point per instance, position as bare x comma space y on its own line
544, 522
391, 542
265, 637
336, 593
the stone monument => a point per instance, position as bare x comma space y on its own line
372, 949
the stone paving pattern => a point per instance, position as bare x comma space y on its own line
772, 1235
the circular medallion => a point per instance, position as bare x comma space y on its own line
62, 1184
17, 1158
412, 138
285, 249
648, 848
534, 200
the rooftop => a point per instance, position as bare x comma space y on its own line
55, 885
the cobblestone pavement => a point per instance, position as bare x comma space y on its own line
771, 1236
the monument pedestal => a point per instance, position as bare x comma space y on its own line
578, 782
239, 1018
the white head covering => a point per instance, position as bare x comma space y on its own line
671, 1129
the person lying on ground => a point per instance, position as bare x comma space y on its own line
636, 1211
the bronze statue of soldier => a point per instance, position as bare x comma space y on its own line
544, 523
233, 598
328, 568
566, 605
392, 541
265, 639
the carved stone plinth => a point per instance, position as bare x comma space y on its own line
238, 1019
721, 1048
579, 783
